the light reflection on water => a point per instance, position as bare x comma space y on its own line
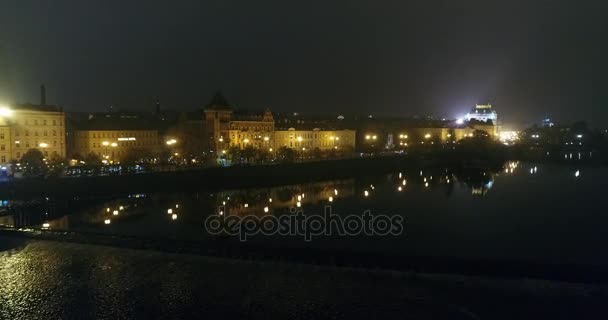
521, 209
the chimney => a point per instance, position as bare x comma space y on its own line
42, 95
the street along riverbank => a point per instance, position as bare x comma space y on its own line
215, 178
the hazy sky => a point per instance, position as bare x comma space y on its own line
529, 58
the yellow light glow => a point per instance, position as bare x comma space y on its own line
105, 143
428, 135
174, 216
46, 225
114, 144
115, 212
5, 111
43, 145
265, 209
107, 221
331, 199
246, 140
169, 211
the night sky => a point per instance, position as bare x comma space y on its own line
528, 58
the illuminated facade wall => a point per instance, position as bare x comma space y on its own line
255, 131
5, 142
316, 138
32, 129
113, 144
482, 112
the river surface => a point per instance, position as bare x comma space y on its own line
522, 211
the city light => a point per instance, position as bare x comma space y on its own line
105, 143
265, 209
459, 121
172, 142
43, 145
577, 173
114, 144
174, 216
5, 111
169, 211
107, 221
115, 212
428, 135
46, 225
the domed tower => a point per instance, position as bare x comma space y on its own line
217, 122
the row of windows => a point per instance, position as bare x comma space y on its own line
123, 134
37, 122
45, 133
136, 143
27, 145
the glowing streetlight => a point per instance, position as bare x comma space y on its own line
43, 145
246, 140
5, 111
428, 135
105, 143
266, 139
114, 144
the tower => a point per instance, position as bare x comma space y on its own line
217, 122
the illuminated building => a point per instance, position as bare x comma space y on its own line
226, 128
483, 113
27, 126
252, 130
315, 138
112, 137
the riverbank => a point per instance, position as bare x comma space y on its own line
214, 178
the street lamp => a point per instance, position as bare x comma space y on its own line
5, 111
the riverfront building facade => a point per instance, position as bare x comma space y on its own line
27, 126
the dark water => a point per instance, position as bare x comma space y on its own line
522, 211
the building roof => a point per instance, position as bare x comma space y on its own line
118, 121
218, 102
37, 107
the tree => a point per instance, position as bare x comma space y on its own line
249, 153
285, 154
33, 163
136, 156
234, 153
92, 159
